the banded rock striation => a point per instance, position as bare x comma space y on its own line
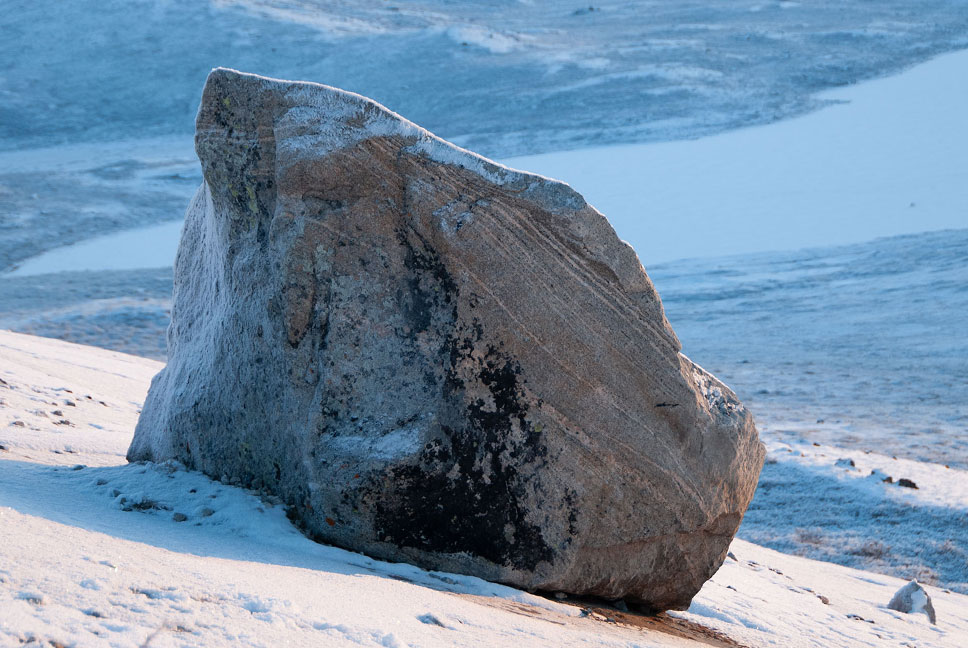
433, 358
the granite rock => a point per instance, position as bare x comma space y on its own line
912, 599
433, 358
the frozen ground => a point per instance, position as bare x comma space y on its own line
114, 84
97, 552
889, 158
502, 78
122, 310
860, 346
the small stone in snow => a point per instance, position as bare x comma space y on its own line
430, 619
844, 463
913, 598
857, 617
882, 476
32, 597
79, 467
19, 424
907, 483
823, 599
179, 517
207, 512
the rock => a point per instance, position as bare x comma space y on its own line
179, 517
880, 475
435, 359
906, 483
913, 598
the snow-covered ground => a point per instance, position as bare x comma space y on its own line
99, 552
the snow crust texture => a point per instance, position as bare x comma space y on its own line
93, 552
431, 357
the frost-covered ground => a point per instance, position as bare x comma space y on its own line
112, 86
860, 346
502, 78
124, 310
98, 552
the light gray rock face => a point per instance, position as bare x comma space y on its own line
913, 598
436, 359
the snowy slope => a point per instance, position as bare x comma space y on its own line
95, 552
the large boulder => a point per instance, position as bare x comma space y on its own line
433, 358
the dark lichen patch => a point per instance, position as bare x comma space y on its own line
466, 492
431, 291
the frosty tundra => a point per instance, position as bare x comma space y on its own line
435, 359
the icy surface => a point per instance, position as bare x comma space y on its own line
95, 552
501, 78
122, 310
148, 247
52, 197
888, 159
861, 346
811, 502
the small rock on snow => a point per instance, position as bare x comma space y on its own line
913, 598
